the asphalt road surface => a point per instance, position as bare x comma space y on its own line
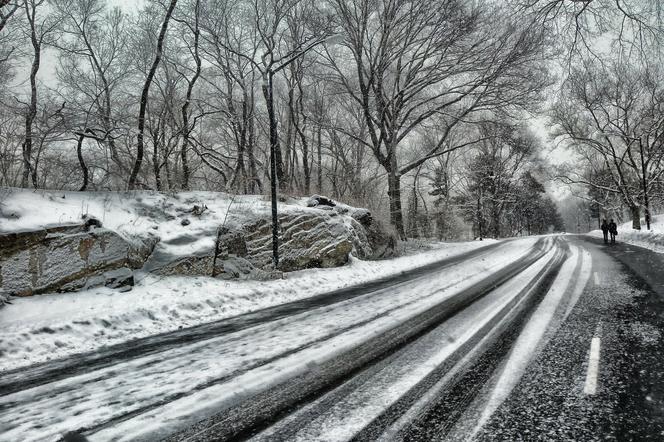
553, 338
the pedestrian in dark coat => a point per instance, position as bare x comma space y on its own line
605, 231
613, 230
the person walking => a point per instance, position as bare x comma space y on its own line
613, 230
605, 231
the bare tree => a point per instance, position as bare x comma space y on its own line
232, 51
144, 96
578, 23
7, 39
270, 20
193, 25
91, 33
39, 29
613, 116
421, 61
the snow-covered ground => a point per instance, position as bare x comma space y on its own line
156, 393
40, 328
652, 239
138, 214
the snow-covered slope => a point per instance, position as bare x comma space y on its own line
137, 214
652, 239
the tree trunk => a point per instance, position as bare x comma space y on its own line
644, 185
32, 109
155, 163
144, 97
495, 214
81, 161
394, 194
479, 217
255, 181
636, 217
185, 107
305, 162
319, 154
268, 92
297, 111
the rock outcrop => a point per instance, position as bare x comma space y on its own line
323, 236
71, 257
319, 200
62, 258
382, 242
307, 239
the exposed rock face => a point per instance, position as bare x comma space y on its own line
226, 261
71, 257
58, 259
223, 267
307, 240
122, 278
140, 250
319, 200
194, 265
381, 241
315, 238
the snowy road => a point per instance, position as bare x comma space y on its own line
439, 353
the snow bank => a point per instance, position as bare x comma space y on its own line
652, 239
136, 214
40, 328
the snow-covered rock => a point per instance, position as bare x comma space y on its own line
307, 239
60, 258
382, 241
187, 234
319, 200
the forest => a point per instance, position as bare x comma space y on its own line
435, 115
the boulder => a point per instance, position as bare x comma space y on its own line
60, 258
319, 200
382, 242
122, 278
307, 239
192, 265
205, 264
91, 223
141, 249
231, 242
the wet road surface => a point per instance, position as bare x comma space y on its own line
552, 339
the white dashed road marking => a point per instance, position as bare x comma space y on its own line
593, 363
596, 278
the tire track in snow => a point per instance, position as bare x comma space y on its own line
363, 406
533, 334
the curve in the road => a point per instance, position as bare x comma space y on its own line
38, 374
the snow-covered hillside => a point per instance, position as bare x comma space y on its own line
138, 214
652, 239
